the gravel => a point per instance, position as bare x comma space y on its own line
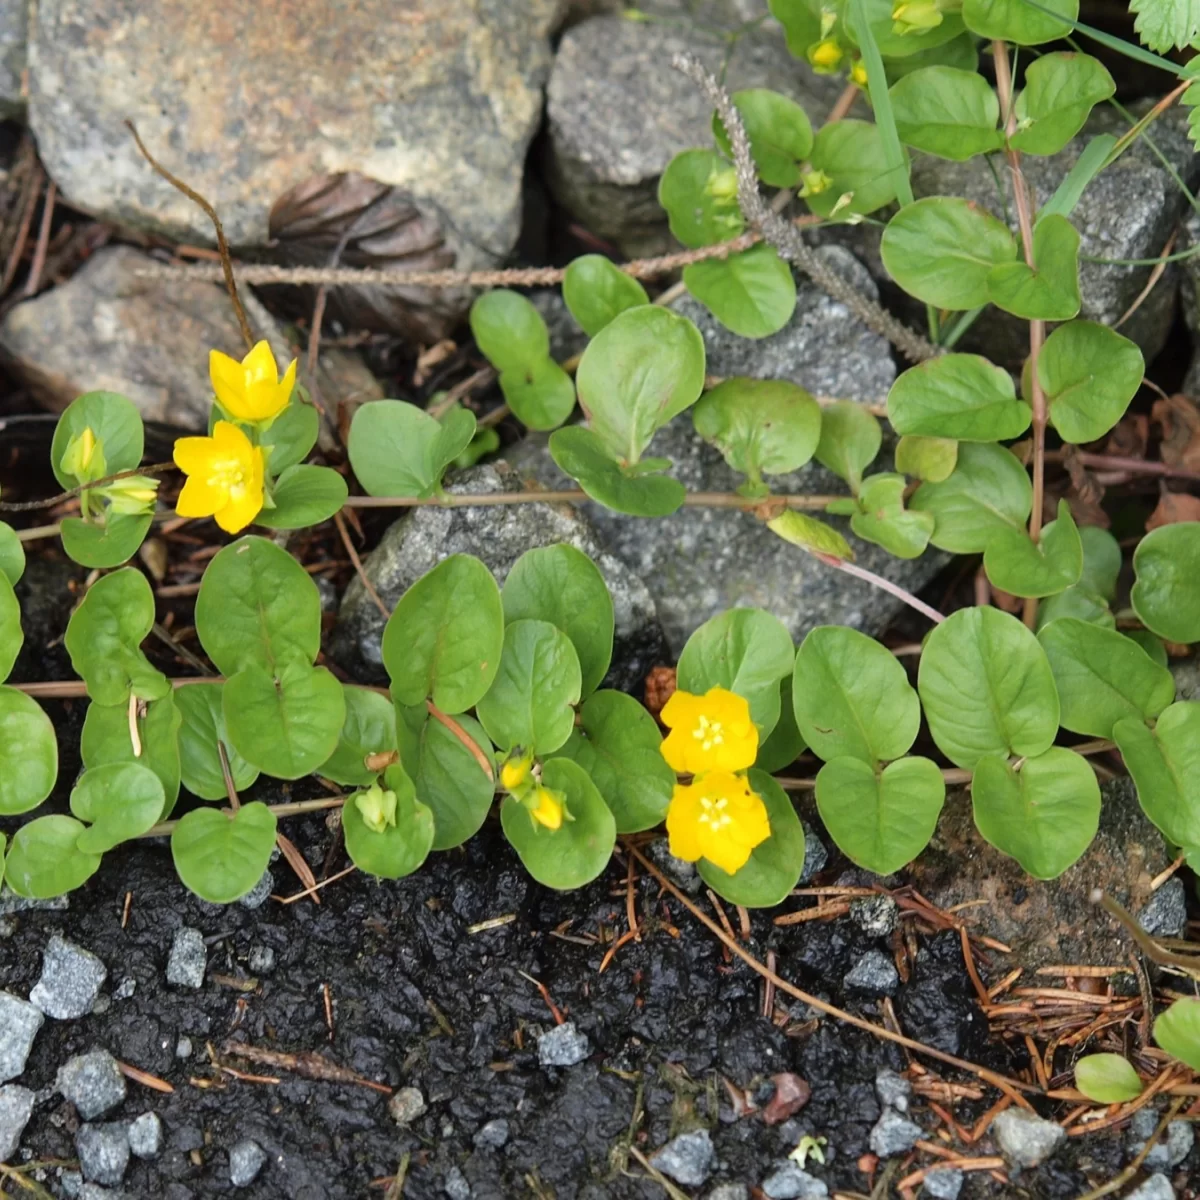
815, 854
563, 1046
189, 957
874, 915
406, 1105
729, 1191
943, 1184
893, 1089
1024, 1139
16, 1107
19, 1023
1157, 1187
894, 1134
261, 960
687, 1158
146, 1135
103, 1152
1169, 1151
71, 980
92, 1082
1166, 914
789, 1182
493, 1135
456, 1185
874, 973
246, 1159
259, 894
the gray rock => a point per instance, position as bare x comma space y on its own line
125, 989
729, 1191
498, 535
566, 337
103, 1152
406, 1105
815, 854
493, 1135
70, 982
183, 1048
146, 1135
10, 902
563, 1046
188, 959
618, 113
943, 1183
16, 1107
72, 1183
893, 1089
1187, 670
874, 973
19, 1023
14, 54
93, 1191
261, 960
1157, 1187
92, 1082
260, 893
874, 915
246, 1159
1024, 1139
686, 1158
789, 1182
1168, 1151
1166, 914
894, 1134
456, 1185
681, 871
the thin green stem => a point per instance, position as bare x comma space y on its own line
964, 322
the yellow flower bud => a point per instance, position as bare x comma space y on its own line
547, 808
858, 73
132, 496
722, 185
83, 458
915, 16
377, 807
814, 183
826, 57
515, 772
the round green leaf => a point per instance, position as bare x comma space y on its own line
398, 449
220, 856
1060, 91
882, 518
942, 250
774, 866
1016, 564
1107, 1078
617, 743
1165, 765
540, 393
695, 189
931, 459
1089, 373
1049, 291
105, 739
1177, 1031
403, 845
508, 329
104, 637
1152, 645
369, 728
642, 369
584, 456
257, 605
12, 636
1043, 813
576, 852
961, 396
286, 726
761, 426
201, 709
1016, 21
850, 439
116, 423
948, 112
304, 495
291, 436
851, 154
986, 687
852, 697
119, 802
1102, 677
988, 491
880, 819
746, 651
561, 585
1167, 566
100, 547
44, 860
28, 753
444, 638
451, 782
752, 293
12, 554
1079, 602
780, 133
530, 703
785, 743
596, 291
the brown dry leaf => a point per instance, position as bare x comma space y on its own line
1130, 437
660, 687
1085, 494
1179, 419
1173, 507
791, 1095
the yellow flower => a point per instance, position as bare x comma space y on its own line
378, 808
547, 808
251, 390
225, 477
858, 73
718, 818
515, 772
815, 182
826, 57
712, 732
915, 16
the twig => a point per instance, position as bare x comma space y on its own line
340, 522
463, 736
33, 185
39, 251
885, 585
307, 1064
487, 500
784, 236
1119, 1181
31, 505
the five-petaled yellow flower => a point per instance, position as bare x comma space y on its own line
712, 732
719, 818
225, 477
251, 390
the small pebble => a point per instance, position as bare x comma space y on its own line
687, 1158
893, 1089
789, 1182
93, 1191
684, 873
125, 989
11, 903
1166, 913
815, 854
19, 1023
246, 1159
71, 980
92, 1082
1169, 1151
729, 1191
1024, 1139
563, 1046
406, 1105
183, 1048
188, 960
493, 1135
103, 1152
874, 915
71, 1183
875, 973
894, 1134
16, 1107
261, 960
146, 1135
943, 1183
1157, 1187
260, 893
456, 1185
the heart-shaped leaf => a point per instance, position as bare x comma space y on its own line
100, 547
509, 331
201, 707
540, 393
1177, 1031
1165, 765
849, 154
221, 856
12, 636
781, 136
369, 728
1060, 91
1089, 373
752, 293
304, 495
450, 780
12, 554
1049, 291
948, 112
397, 449
106, 739
1016, 564
44, 860
961, 396
1167, 565
931, 459
583, 455
596, 291
116, 425
1107, 1078
850, 440
699, 191
1016, 21
119, 802
403, 844
882, 518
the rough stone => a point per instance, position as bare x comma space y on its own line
1157, 1187
1166, 914
729, 1191
93, 1191
261, 960
70, 982
874, 973
566, 337
815, 854
618, 113
1187, 670
16, 1107
789, 1182
10, 902
14, 54
943, 1183
493, 1135
125, 989
874, 915
498, 535
684, 873
188, 959
103, 1152
109, 328
1168, 1151
687, 1158
183, 1048
894, 1134
146, 1135
1052, 921
258, 895
19, 1023
92, 1082
893, 1089
246, 1159
406, 1105
563, 1046
456, 1185
1024, 1139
